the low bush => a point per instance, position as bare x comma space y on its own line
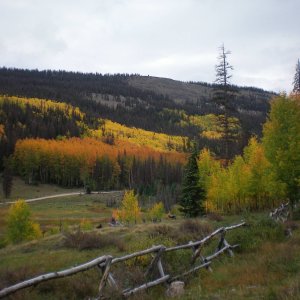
251, 237
215, 217
83, 241
19, 224
161, 230
192, 229
296, 213
290, 290
86, 225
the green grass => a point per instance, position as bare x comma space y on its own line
25, 191
266, 266
65, 211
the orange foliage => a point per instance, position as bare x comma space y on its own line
2, 131
87, 150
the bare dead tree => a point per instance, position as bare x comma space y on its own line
224, 94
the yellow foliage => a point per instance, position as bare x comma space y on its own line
157, 141
247, 184
209, 125
130, 211
115, 214
86, 224
44, 105
19, 224
2, 131
156, 212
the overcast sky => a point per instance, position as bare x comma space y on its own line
177, 39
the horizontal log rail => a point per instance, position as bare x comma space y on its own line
104, 263
54, 275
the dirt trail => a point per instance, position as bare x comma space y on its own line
58, 195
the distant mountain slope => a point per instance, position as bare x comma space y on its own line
200, 93
151, 103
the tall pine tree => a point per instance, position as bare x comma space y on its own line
193, 193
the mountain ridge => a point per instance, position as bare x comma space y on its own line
152, 103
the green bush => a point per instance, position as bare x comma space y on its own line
296, 214
86, 225
256, 233
90, 240
19, 224
156, 212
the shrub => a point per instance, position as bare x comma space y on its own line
83, 240
156, 212
19, 224
215, 217
130, 211
175, 210
296, 213
161, 230
194, 229
85, 224
256, 233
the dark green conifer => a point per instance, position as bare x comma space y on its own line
192, 193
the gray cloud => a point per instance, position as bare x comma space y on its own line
168, 38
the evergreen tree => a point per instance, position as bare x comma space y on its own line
296, 88
193, 193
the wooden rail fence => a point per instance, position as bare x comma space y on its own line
105, 262
281, 213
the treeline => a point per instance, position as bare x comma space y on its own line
87, 162
266, 174
248, 183
141, 108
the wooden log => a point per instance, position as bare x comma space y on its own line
135, 254
206, 239
204, 265
49, 276
235, 226
155, 260
160, 268
221, 251
112, 282
145, 286
195, 244
196, 254
221, 242
105, 275
230, 252
204, 261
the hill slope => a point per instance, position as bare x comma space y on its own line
135, 100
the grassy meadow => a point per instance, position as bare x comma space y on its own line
25, 191
265, 266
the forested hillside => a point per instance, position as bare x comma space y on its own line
53, 142
156, 104
117, 131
